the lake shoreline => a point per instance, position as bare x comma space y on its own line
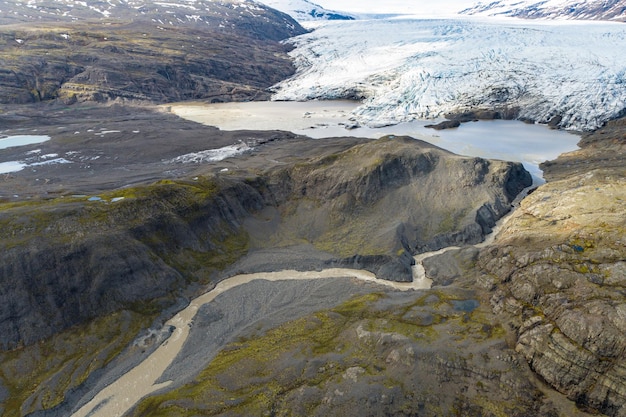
511, 140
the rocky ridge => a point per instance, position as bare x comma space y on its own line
580, 10
556, 273
136, 250
77, 52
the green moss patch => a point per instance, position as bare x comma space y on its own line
258, 373
38, 376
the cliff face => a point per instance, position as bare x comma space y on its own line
67, 260
394, 195
555, 275
561, 273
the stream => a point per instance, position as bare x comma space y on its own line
120, 396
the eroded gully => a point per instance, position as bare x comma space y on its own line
120, 396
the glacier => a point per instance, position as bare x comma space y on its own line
305, 11
408, 69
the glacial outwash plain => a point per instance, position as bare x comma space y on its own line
153, 265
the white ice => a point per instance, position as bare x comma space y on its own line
21, 140
212, 155
407, 69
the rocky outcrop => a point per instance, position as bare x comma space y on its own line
447, 124
68, 261
140, 54
559, 265
504, 113
555, 274
335, 202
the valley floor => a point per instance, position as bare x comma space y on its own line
517, 327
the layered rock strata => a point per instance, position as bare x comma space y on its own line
66, 260
556, 273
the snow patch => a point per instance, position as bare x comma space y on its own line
11, 166
22, 140
213, 155
52, 162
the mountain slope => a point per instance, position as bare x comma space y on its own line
141, 50
242, 16
304, 10
552, 9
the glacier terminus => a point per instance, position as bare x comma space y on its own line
405, 69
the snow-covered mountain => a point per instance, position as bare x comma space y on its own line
549, 9
305, 11
237, 15
415, 69
552, 9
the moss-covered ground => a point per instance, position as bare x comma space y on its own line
313, 358
39, 376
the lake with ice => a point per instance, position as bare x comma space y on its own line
495, 139
21, 140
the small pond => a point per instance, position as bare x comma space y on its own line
21, 140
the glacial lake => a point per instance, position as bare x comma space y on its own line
495, 139
18, 140
21, 140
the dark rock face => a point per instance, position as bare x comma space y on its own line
560, 271
80, 259
227, 53
456, 119
335, 202
448, 124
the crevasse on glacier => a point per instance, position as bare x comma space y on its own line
407, 69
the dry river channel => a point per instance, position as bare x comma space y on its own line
121, 395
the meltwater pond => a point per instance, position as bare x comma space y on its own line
21, 140
496, 139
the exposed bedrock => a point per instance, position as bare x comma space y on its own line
379, 202
370, 206
557, 273
562, 263
65, 262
